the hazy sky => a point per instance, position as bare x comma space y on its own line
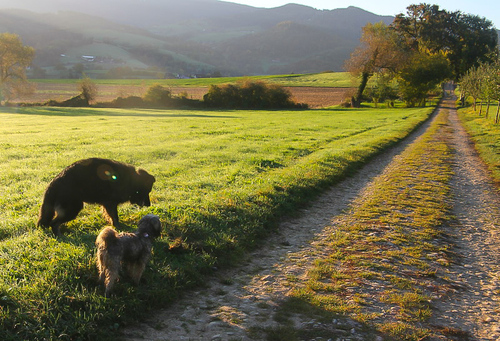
490, 9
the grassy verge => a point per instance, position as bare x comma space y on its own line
486, 136
383, 263
223, 178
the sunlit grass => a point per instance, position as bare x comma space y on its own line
223, 179
486, 136
327, 79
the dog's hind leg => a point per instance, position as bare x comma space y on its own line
111, 269
65, 212
100, 266
111, 278
135, 270
47, 213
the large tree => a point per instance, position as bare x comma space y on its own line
422, 74
465, 39
14, 59
473, 40
423, 27
380, 51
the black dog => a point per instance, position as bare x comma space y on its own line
98, 181
128, 250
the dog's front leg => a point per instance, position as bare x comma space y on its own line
111, 214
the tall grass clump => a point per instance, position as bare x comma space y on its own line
223, 180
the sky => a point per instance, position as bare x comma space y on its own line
490, 9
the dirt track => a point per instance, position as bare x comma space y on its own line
474, 307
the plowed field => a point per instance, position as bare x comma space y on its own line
315, 97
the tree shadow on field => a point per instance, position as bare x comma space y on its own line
61, 112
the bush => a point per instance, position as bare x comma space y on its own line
249, 95
88, 94
158, 95
127, 102
77, 101
382, 91
88, 90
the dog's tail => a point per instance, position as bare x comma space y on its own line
107, 237
47, 210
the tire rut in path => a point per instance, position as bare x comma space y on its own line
474, 306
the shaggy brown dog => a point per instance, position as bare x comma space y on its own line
132, 250
98, 181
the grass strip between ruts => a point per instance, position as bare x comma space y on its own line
384, 261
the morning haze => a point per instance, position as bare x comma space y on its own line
189, 37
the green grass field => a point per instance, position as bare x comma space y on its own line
486, 136
327, 79
223, 180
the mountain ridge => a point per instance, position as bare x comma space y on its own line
191, 37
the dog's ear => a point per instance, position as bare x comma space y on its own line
145, 176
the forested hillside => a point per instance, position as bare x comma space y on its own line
149, 39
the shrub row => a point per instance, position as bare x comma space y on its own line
249, 95
244, 95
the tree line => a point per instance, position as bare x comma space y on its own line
482, 83
421, 49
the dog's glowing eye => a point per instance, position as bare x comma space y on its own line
111, 176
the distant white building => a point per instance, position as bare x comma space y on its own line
88, 58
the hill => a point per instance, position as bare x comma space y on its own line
156, 38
